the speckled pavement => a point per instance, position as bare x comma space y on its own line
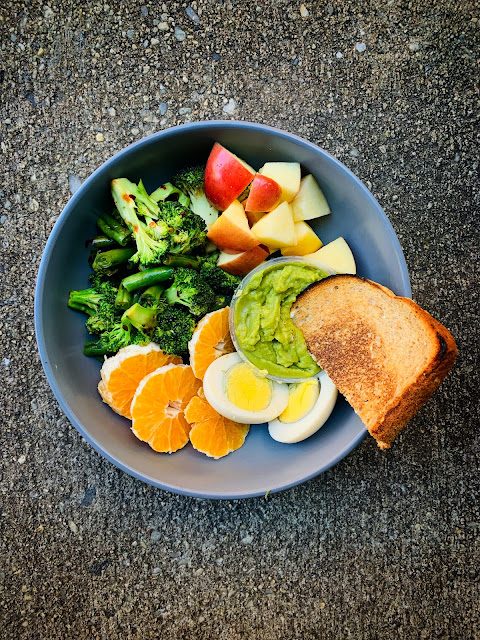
384, 545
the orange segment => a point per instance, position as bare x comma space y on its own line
211, 339
158, 407
123, 372
211, 433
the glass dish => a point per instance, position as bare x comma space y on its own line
270, 263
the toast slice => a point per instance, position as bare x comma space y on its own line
384, 353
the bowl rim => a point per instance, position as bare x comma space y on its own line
46, 256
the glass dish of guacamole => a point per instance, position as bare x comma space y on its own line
260, 322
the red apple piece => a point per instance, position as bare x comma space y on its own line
264, 194
231, 231
226, 176
286, 174
239, 264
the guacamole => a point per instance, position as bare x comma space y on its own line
264, 329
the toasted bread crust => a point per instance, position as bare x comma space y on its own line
349, 342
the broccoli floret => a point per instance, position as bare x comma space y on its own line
191, 290
101, 321
174, 330
86, 300
126, 330
187, 230
218, 279
173, 214
145, 204
140, 338
97, 278
122, 334
98, 303
142, 318
191, 182
153, 297
119, 336
107, 291
150, 250
168, 191
192, 236
104, 319
128, 199
220, 302
157, 229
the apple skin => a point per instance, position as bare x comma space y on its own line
239, 264
254, 217
286, 174
226, 176
264, 194
230, 232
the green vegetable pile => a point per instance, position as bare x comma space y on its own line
153, 277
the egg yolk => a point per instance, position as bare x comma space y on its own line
301, 400
246, 390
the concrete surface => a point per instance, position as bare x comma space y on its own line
383, 545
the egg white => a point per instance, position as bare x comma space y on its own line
214, 387
311, 423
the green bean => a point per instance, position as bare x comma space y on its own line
147, 278
124, 298
107, 259
181, 261
153, 293
100, 242
113, 229
94, 348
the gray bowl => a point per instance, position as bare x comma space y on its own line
262, 464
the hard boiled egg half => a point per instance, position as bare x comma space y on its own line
310, 404
236, 390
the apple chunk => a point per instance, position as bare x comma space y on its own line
337, 255
239, 264
264, 194
306, 241
226, 176
231, 231
276, 229
309, 202
286, 174
254, 217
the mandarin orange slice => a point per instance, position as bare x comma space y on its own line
210, 340
211, 433
158, 407
123, 372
